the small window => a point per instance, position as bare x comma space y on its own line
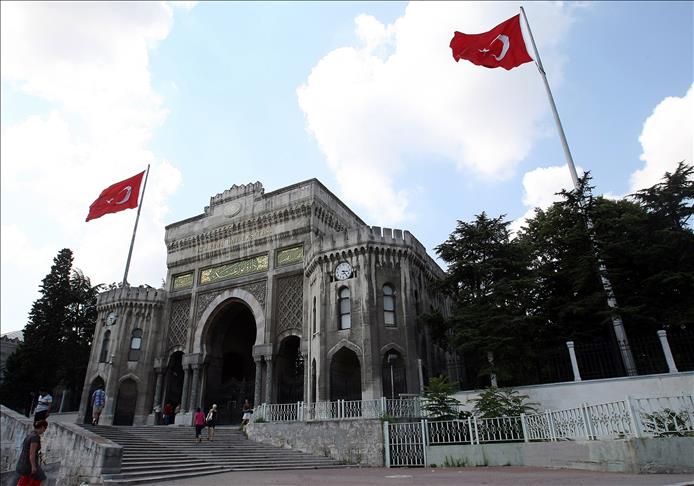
344, 309
388, 305
135, 345
103, 357
314, 315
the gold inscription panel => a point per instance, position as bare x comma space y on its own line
235, 269
184, 281
289, 256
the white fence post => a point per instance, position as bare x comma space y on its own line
672, 367
524, 426
550, 425
341, 409
425, 442
469, 426
477, 435
635, 417
574, 362
386, 442
384, 406
588, 426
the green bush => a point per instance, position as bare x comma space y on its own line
502, 402
438, 400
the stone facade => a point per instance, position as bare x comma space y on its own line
256, 307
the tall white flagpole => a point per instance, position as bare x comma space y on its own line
137, 219
617, 324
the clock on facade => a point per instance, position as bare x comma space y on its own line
343, 271
111, 318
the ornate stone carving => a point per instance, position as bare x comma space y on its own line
203, 301
290, 299
178, 323
258, 289
235, 269
288, 256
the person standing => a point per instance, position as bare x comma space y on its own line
29, 466
168, 413
98, 402
43, 407
247, 413
199, 422
211, 421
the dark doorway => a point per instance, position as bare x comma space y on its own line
289, 370
125, 403
230, 375
394, 375
345, 376
174, 380
97, 383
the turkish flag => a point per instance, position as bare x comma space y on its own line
121, 195
503, 46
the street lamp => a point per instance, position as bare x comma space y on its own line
392, 358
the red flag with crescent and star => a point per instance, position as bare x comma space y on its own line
121, 195
503, 46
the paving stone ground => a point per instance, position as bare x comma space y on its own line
487, 476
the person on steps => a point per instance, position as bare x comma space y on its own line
43, 408
29, 464
211, 421
199, 422
98, 402
247, 411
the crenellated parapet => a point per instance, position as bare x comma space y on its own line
141, 298
255, 189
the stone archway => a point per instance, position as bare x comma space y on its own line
173, 380
97, 382
393, 374
345, 376
125, 402
289, 371
228, 354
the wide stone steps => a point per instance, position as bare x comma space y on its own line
161, 453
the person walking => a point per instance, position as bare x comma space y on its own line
199, 422
29, 466
211, 421
168, 413
98, 402
247, 413
43, 407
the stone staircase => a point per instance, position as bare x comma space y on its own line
160, 453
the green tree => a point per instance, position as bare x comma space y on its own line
438, 400
57, 338
501, 402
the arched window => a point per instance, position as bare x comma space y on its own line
388, 305
314, 315
135, 345
344, 309
103, 357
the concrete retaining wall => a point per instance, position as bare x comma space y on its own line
661, 455
83, 456
352, 441
556, 396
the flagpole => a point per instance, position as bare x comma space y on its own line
617, 324
137, 219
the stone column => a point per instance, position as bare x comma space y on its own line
268, 379
158, 387
185, 394
574, 362
672, 368
258, 380
194, 387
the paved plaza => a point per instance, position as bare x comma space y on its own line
488, 476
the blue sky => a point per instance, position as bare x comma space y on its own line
364, 96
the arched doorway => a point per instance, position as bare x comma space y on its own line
290, 371
345, 376
173, 381
97, 383
230, 370
394, 374
125, 403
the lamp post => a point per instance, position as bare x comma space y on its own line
391, 359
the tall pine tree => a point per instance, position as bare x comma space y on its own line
57, 338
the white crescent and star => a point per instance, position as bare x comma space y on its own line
128, 191
504, 49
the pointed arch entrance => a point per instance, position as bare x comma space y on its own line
345, 376
229, 367
125, 403
98, 382
290, 371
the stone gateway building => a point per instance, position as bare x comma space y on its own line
280, 297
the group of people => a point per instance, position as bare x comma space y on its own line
200, 420
29, 464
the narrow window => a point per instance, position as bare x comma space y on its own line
388, 305
344, 309
103, 357
135, 345
314, 315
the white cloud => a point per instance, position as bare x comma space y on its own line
398, 96
90, 63
540, 190
667, 138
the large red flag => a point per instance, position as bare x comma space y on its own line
503, 46
121, 195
